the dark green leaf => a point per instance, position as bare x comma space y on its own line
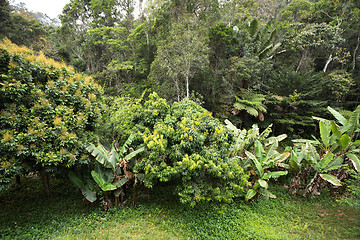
75, 179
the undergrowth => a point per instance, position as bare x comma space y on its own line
27, 214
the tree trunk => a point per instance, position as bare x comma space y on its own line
302, 59
17, 179
134, 195
187, 87
45, 181
106, 202
354, 55
329, 59
187, 75
177, 89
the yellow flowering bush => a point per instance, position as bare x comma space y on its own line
183, 144
48, 111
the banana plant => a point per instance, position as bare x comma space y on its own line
334, 150
259, 163
257, 153
112, 170
245, 139
262, 41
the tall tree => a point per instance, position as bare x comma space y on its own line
183, 53
5, 11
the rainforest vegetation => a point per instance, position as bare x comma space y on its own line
215, 101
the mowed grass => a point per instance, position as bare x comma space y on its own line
27, 214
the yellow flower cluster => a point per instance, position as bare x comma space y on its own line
218, 131
155, 140
20, 147
31, 131
5, 164
78, 93
92, 97
63, 151
7, 137
31, 56
57, 121
51, 84
64, 88
190, 163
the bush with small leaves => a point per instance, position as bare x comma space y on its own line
186, 145
48, 112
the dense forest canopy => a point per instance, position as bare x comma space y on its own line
277, 62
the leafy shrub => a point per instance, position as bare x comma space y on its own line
48, 112
183, 144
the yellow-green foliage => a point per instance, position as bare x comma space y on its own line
47, 111
184, 144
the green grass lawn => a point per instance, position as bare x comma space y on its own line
27, 214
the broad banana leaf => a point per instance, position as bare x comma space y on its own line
265, 133
105, 186
114, 158
257, 164
280, 158
353, 123
294, 161
331, 179
272, 151
325, 161
253, 27
75, 179
338, 116
263, 183
344, 141
250, 194
336, 163
335, 129
355, 160
269, 50
266, 28
314, 155
321, 119
271, 140
276, 174
296, 158
266, 193
240, 143
126, 145
231, 126
117, 192
259, 151
121, 182
88, 193
134, 153
105, 173
314, 142
270, 39
325, 131
101, 154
